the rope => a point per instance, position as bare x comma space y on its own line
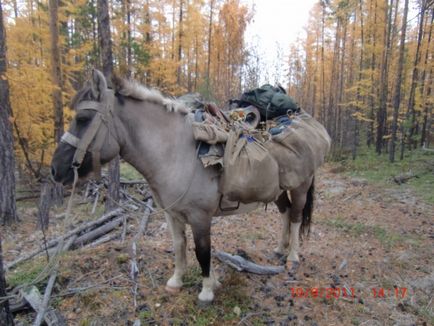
68, 208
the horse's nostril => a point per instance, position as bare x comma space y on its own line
53, 171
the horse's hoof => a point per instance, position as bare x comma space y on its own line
292, 266
172, 290
279, 252
203, 304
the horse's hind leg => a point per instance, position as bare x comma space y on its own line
177, 228
301, 209
283, 204
202, 241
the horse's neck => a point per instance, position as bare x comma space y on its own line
158, 144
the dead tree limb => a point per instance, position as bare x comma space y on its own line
77, 230
41, 313
98, 232
241, 264
104, 239
134, 271
403, 178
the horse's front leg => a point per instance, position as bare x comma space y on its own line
202, 241
177, 229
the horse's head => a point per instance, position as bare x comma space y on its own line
90, 140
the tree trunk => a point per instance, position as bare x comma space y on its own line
339, 126
6, 318
107, 68
45, 202
129, 41
359, 79
56, 75
334, 84
56, 71
370, 135
180, 39
208, 64
105, 40
382, 111
426, 88
411, 113
323, 100
7, 156
398, 80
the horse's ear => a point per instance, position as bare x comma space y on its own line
98, 84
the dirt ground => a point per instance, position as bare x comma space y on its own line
368, 261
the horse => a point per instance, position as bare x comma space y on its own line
153, 133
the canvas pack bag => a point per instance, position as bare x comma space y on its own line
250, 173
299, 150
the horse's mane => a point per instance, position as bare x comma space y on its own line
133, 90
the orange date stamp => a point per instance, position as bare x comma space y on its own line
345, 292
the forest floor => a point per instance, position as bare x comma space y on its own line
370, 255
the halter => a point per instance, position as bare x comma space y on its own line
104, 114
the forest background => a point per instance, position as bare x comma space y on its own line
363, 68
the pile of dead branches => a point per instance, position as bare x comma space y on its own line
135, 201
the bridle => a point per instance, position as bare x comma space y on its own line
92, 141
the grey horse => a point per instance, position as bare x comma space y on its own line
153, 133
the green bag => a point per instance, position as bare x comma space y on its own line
271, 101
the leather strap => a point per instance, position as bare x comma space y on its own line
87, 138
70, 139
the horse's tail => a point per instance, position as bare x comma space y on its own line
308, 210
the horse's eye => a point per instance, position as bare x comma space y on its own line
83, 118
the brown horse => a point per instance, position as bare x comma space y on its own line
154, 134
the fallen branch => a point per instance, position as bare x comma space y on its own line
403, 178
47, 295
241, 264
133, 182
104, 239
44, 312
426, 148
76, 231
98, 232
134, 271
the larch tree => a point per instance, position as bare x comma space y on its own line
8, 213
411, 111
398, 84
427, 84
